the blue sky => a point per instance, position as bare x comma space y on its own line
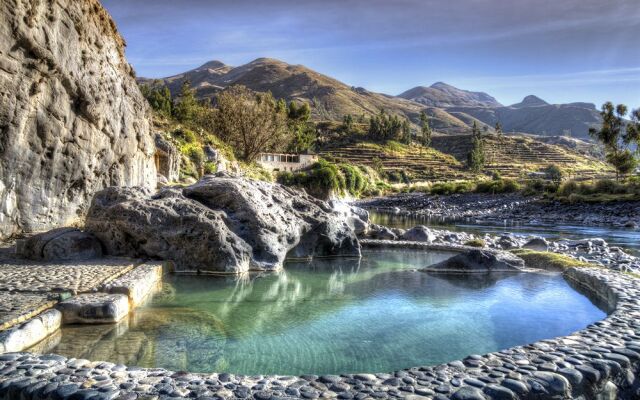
560, 50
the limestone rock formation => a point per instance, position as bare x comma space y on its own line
219, 224
167, 159
72, 120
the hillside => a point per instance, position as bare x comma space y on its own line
452, 110
516, 156
330, 99
512, 157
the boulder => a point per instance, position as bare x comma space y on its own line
507, 242
381, 232
72, 121
60, 244
419, 233
356, 217
537, 243
477, 260
220, 224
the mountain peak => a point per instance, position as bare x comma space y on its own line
214, 64
531, 101
442, 94
442, 85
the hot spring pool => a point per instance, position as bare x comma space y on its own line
334, 316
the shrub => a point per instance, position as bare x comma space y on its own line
446, 188
185, 135
210, 167
194, 152
355, 180
475, 243
554, 173
498, 186
568, 188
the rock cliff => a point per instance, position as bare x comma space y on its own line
72, 120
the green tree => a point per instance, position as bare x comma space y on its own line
405, 135
186, 103
476, 157
425, 129
250, 122
498, 128
615, 140
159, 97
632, 133
347, 123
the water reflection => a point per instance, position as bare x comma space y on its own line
334, 316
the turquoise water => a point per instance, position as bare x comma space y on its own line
335, 316
626, 238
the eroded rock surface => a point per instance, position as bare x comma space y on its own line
60, 245
219, 224
72, 120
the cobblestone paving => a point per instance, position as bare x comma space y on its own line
17, 307
29, 287
27, 276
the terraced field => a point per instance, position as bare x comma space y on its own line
512, 157
516, 156
419, 163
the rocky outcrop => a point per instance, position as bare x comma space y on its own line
220, 224
167, 159
72, 120
60, 245
479, 261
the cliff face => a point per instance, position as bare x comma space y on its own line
72, 120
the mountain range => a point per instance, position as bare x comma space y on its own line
451, 110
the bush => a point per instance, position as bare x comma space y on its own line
194, 152
447, 188
568, 188
210, 167
185, 135
498, 186
475, 243
355, 181
554, 173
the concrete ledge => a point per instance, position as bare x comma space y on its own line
31, 332
96, 308
138, 283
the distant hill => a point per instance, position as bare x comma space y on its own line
452, 110
442, 95
534, 115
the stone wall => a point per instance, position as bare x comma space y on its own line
72, 119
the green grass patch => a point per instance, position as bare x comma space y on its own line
475, 243
549, 261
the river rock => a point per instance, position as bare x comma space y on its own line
72, 121
419, 234
537, 243
59, 245
479, 261
220, 224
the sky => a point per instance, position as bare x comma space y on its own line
561, 50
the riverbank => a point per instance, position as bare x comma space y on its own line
512, 207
